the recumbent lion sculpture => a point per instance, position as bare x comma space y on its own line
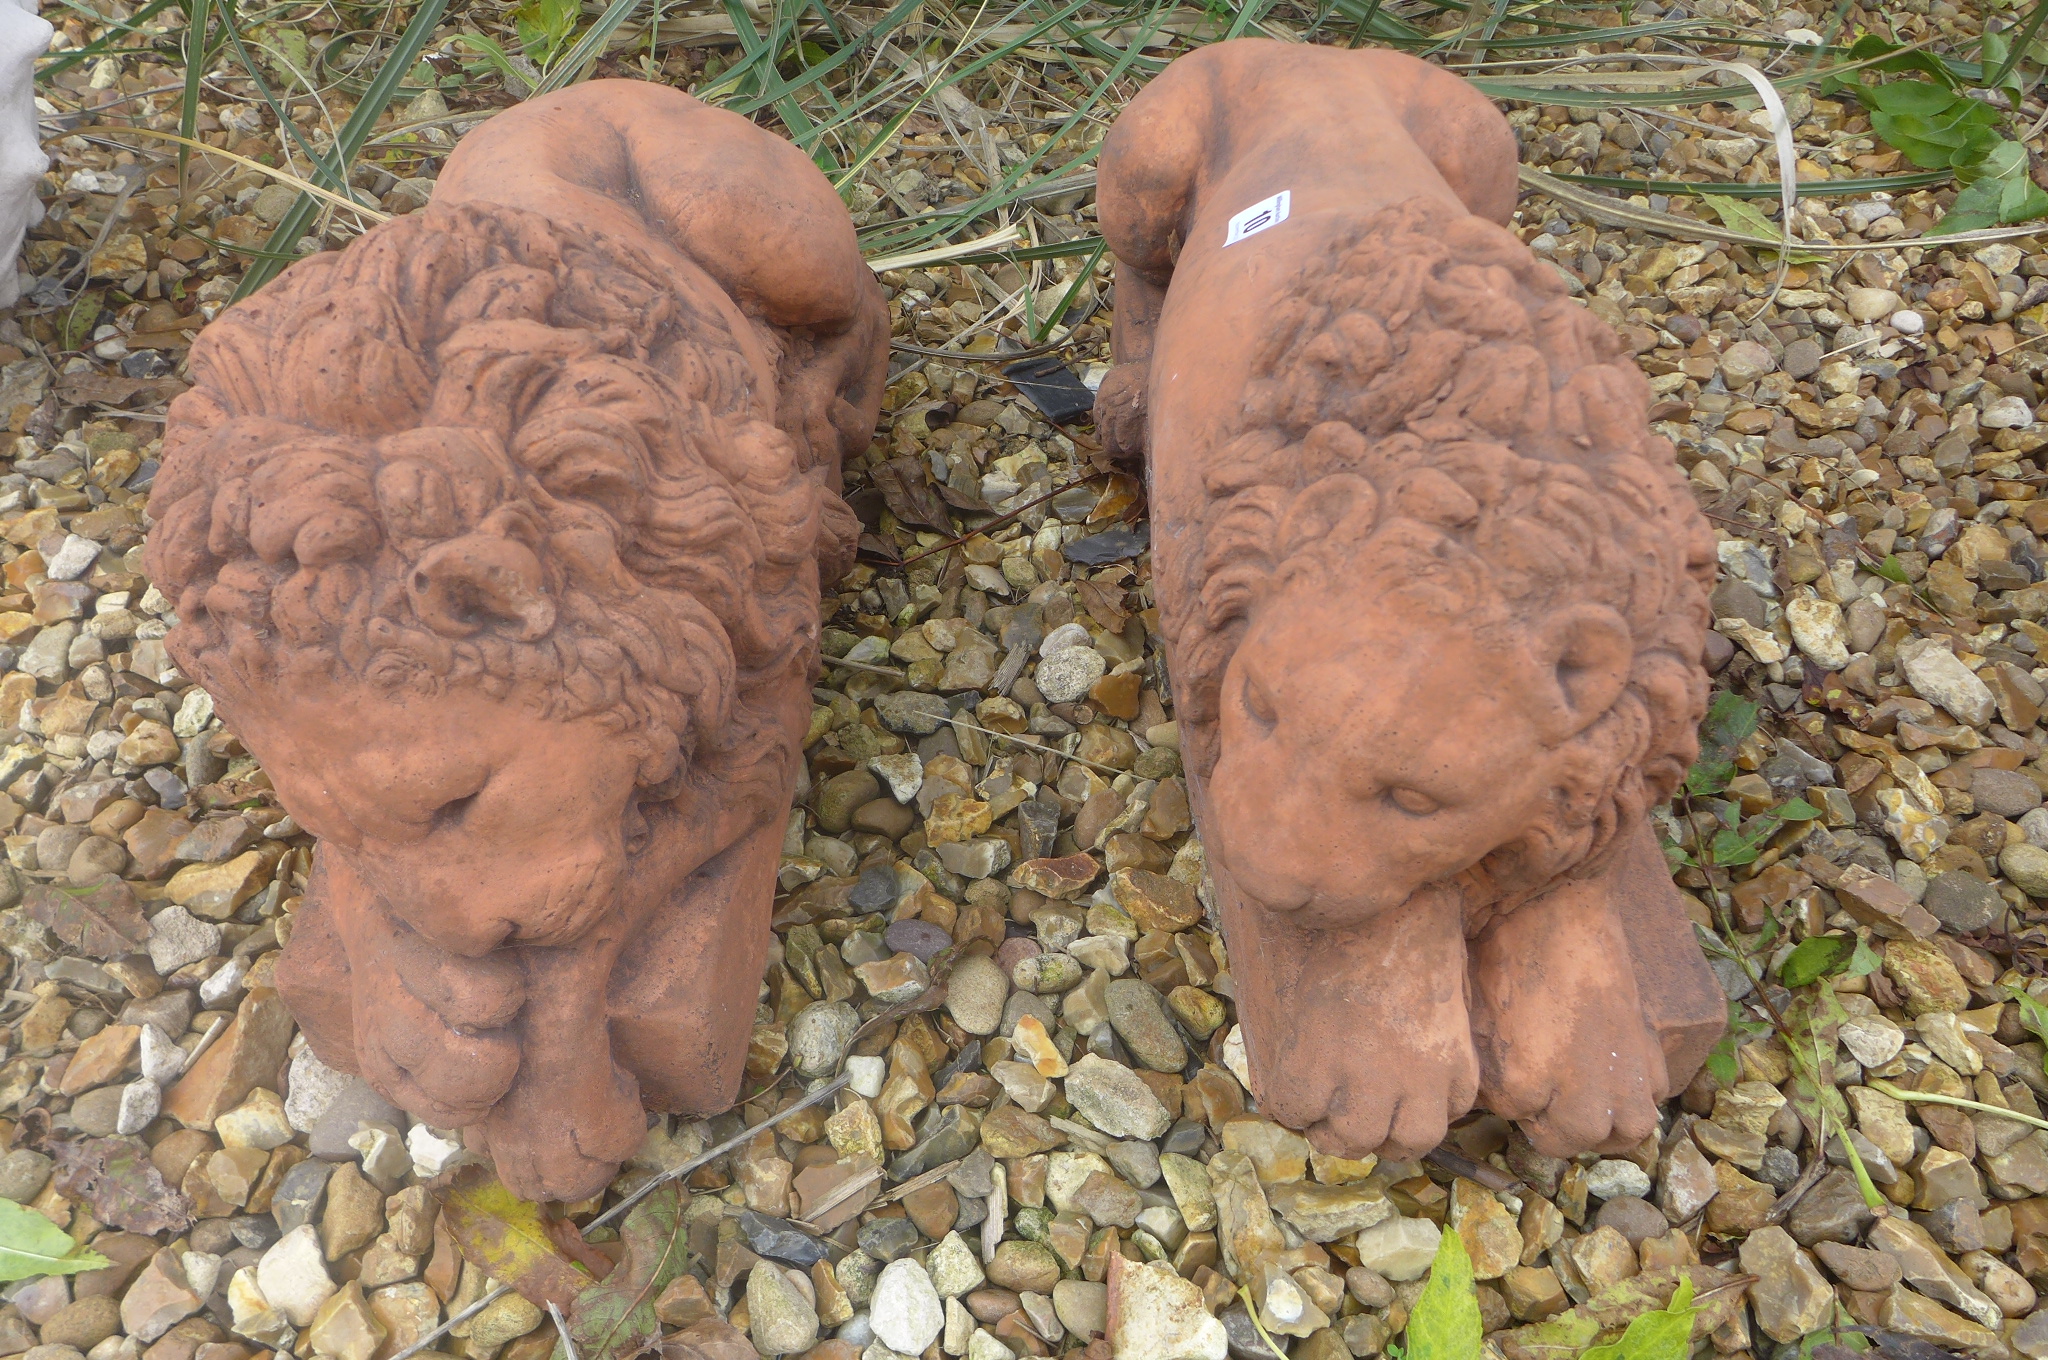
499, 538
1434, 603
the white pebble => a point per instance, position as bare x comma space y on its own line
1065, 636
1612, 1178
1069, 674
141, 1099
1906, 321
431, 1152
162, 1059
866, 1075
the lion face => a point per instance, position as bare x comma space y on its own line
479, 823
1374, 742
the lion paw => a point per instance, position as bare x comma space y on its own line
562, 1135
1576, 1079
1387, 1083
1120, 412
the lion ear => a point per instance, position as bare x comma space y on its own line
1587, 653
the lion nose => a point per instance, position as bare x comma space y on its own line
479, 581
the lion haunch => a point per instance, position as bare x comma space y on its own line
1433, 597
498, 537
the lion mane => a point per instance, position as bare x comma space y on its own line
1436, 414
479, 374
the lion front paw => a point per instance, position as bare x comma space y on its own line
1576, 1066
1371, 1068
1600, 1098
1393, 1103
1120, 411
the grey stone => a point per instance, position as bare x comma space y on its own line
1112, 1098
98, 1113
170, 1010
1962, 901
818, 1037
780, 1320
906, 1313
2008, 793
1802, 359
889, 1239
23, 1174
1613, 1178
1634, 1218
1833, 1211
1138, 1015
177, 937
780, 1239
912, 712
1069, 674
299, 1193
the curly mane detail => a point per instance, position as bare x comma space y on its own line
1437, 413
478, 380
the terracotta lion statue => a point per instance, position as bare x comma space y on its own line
498, 537
1434, 602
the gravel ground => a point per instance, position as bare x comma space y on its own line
994, 801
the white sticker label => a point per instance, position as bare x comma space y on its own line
1267, 212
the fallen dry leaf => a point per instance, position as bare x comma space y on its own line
117, 1181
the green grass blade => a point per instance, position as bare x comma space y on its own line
1249, 12
278, 108
874, 146
1011, 188
780, 89
588, 48
2019, 47
1081, 276
100, 46
495, 57
198, 56
1824, 188
383, 88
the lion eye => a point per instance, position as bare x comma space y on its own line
1413, 802
1259, 704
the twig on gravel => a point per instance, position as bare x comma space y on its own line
1494, 1179
562, 1328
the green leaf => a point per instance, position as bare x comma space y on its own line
32, 1245
1923, 97
1976, 208
2006, 160
1661, 1334
1892, 570
1743, 216
1732, 847
615, 1317
1813, 959
1864, 960
1445, 1324
1730, 720
1892, 59
1933, 145
1798, 810
1722, 1062
2033, 1015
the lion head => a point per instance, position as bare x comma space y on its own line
476, 506
1449, 595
